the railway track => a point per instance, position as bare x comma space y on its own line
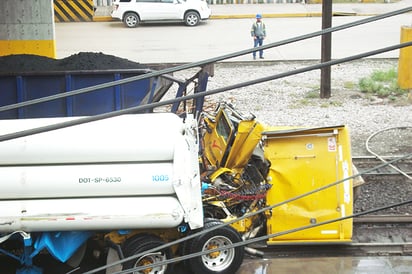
383, 234
365, 163
377, 235
330, 250
384, 185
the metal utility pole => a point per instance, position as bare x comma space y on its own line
326, 49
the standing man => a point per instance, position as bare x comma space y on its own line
258, 33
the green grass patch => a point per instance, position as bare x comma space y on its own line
331, 104
383, 84
312, 94
349, 85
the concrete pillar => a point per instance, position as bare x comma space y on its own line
405, 60
27, 27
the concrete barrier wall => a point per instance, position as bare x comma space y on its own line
73, 10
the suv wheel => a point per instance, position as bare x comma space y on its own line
131, 20
192, 18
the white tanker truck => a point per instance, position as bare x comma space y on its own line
147, 190
130, 183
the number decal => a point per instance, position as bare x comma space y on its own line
160, 178
100, 180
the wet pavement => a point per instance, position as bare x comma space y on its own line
328, 265
268, 265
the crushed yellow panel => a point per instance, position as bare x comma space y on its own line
303, 160
247, 137
36, 47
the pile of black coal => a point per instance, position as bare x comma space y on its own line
83, 61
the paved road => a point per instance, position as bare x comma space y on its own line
175, 43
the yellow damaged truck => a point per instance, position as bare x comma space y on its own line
153, 192
249, 166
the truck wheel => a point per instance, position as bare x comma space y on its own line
220, 262
131, 20
140, 244
192, 18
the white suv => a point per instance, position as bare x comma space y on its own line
132, 12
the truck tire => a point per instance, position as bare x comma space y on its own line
192, 18
131, 19
221, 262
141, 243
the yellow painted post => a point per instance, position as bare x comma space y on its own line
405, 60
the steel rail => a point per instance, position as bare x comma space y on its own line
403, 168
348, 249
384, 219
